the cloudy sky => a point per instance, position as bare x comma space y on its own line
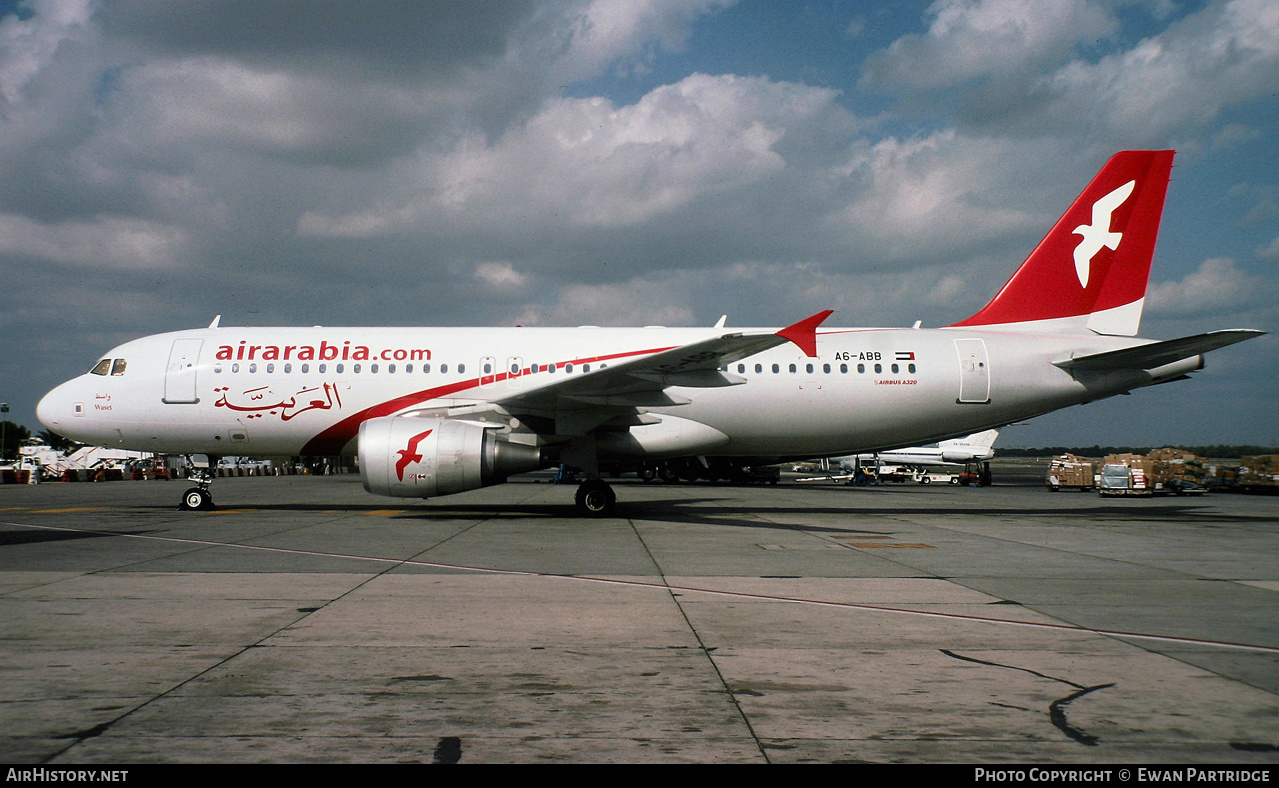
623, 162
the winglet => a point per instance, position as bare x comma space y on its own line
804, 333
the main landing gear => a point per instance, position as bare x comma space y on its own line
198, 497
595, 498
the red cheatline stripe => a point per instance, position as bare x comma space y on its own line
333, 438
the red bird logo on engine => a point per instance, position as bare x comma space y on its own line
409, 454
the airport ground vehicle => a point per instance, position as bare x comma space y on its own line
1122, 479
1161, 472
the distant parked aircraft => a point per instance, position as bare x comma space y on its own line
958, 451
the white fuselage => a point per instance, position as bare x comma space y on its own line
304, 391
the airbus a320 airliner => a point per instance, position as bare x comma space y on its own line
435, 411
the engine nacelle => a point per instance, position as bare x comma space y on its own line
408, 457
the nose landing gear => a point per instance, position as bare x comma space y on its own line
595, 498
198, 497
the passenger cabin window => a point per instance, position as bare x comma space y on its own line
102, 367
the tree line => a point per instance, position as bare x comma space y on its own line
1216, 451
14, 435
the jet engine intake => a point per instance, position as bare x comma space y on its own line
408, 457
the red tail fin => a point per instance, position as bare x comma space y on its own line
1090, 271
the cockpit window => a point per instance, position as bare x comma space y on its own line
117, 368
102, 368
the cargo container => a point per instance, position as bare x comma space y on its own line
1257, 473
1069, 472
1162, 472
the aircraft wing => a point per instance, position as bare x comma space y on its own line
1156, 354
642, 382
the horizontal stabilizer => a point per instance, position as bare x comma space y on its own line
1157, 354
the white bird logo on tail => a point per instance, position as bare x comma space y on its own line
1098, 234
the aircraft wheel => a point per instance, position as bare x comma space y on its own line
196, 499
668, 474
648, 473
595, 498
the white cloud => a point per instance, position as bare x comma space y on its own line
198, 107
607, 30
634, 303
946, 290
1026, 68
932, 196
588, 163
969, 39
1270, 252
27, 48
129, 244
1180, 79
1218, 285
500, 274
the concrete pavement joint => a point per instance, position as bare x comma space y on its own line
1059, 627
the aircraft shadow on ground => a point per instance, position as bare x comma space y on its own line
683, 507
14, 538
